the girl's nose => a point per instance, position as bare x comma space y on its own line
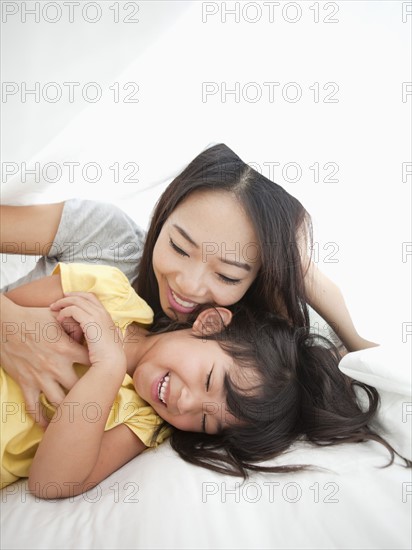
187, 402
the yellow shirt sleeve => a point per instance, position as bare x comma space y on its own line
111, 287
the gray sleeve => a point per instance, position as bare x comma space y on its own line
92, 232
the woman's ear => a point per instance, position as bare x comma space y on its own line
211, 320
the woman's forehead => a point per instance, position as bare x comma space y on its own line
216, 217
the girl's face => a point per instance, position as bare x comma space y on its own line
206, 252
181, 377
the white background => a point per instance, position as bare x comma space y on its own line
173, 49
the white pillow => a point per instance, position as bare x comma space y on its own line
388, 369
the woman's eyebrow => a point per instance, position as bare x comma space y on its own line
185, 235
237, 264
242, 265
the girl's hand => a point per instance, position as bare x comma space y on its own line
104, 340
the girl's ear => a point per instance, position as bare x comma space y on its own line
211, 320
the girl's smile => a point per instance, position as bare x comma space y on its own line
160, 389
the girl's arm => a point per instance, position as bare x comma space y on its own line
326, 298
76, 453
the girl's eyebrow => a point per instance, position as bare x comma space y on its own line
242, 265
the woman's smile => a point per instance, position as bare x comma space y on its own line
180, 304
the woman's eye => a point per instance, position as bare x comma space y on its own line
228, 280
177, 248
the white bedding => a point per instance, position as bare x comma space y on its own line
157, 500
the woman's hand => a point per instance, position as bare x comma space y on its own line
39, 354
327, 299
104, 339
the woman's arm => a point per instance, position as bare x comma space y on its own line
76, 453
326, 298
30, 352
29, 229
40, 293
35, 349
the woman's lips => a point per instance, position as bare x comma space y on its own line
178, 303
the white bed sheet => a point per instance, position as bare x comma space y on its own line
158, 501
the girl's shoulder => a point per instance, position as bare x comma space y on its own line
111, 287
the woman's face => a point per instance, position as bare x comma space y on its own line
206, 252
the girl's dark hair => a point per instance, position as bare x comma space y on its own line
278, 218
299, 392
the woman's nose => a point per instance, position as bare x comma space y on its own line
191, 284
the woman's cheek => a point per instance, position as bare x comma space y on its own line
228, 296
160, 259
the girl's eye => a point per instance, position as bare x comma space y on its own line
228, 281
207, 384
177, 248
209, 376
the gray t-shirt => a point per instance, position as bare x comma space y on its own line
91, 232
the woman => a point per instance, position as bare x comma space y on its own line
221, 233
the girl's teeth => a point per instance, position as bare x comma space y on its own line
182, 302
163, 387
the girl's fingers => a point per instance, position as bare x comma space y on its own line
75, 312
70, 300
78, 304
72, 328
86, 310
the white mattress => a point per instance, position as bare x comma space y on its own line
158, 501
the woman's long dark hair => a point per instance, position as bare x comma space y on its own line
299, 393
278, 219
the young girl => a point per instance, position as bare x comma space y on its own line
221, 233
237, 396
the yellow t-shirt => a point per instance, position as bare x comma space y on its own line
20, 435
